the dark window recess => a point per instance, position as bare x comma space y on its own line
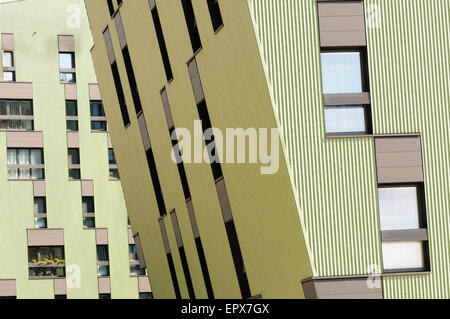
173, 274
214, 12
204, 267
120, 94
191, 25
162, 44
132, 79
181, 170
119, 2
187, 274
110, 7
156, 184
237, 259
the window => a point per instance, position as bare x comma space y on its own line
120, 94
398, 256
110, 7
145, 295
60, 296
135, 268
345, 119
132, 80
341, 72
214, 12
98, 117
88, 212
398, 208
25, 163
67, 67
46, 262
40, 212
156, 183
113, 170
72, 115
8, 59
16, 115
162, 43
9, 70
74, 163
102, 260
104, 296
191, 23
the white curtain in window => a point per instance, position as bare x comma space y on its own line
36, 157
12, 160
24, 173
24, 157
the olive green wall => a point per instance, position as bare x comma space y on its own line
264, 208
35, 25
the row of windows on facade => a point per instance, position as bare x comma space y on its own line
66, 65
19, 115
24, 163
49, 262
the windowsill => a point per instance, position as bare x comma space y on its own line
45, 277
24, 180
218, 29
62, 82
403, 273
99, 131
114, 180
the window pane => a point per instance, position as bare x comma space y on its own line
102, 253
103, 270
13, 173
26, 125
33, 254
341, 72
66, 61
97, 109
137, 270
37, 173
40, 222
67, 77
89, 222
398, 208
345, 119
403, 255
114, 173
24, 157
98, 125
8, 59
71, 108
3, 107
145, 295
74, 173
36, 157
88, 204
12, 159
9, 76
14, 108
112, 157
74, 156
26, 107
72, 125
39, 203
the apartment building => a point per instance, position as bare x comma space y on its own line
356, 90
63, 218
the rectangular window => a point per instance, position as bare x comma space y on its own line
110, 7
345, 119
8, 59
104, 296
398, 256
46, 262
214, 12
98, 117
40, 212
9, 76
88, 212
191, 24
120, 94
74, 163
102, 260
9, 70
16, 115
67, 67
113, 169
399, 208
132, 80
72, 115
341, 72
162, 43
145, 295
156, 184
135, 268
25, 163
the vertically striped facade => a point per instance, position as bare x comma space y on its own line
334, 179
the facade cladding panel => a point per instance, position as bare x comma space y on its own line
36, 46
323, 202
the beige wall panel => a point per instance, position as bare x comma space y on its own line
101, 235
144, 284
347, 99
87, 188
94, 92
144, 132
45, 237
224, 200
333, 24
70, 91
109, 46
400, 175
120, 31
16, 90
39, 188
339, 9
104, 285
25, 139
73, 140
60, 286
8, 288
196, 82
66, 43
167, 112
345, 39
7, 42
348, 289
397, 144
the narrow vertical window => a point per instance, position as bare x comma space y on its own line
102, 260
156, 183
191, 24
161, 41
214, 12
98, 117
40, 212
74, 163
113, 169
110, 7
88, 211
72, 115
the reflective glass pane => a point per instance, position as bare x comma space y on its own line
12, 159
12, 173
24, 157
137, 270
112, 157
66, 61
97, 109
88, 204
14, 107
40, 222
40, 205
103, 270
114, 174
345, 119
341, 72
403, 255
98, 125
74, 173
89, 222
72, 125
36, 157
9, 76
8, 60
398, 208
37, 173
71, 108
102, 253
74, 156
67, 77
